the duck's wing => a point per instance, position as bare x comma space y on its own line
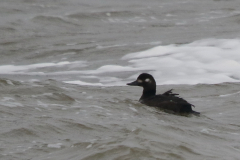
169, 93
171, 98
172, 103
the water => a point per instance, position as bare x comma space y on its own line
64, 66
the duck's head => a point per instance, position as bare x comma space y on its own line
144, 80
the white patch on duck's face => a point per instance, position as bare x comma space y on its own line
139, 81
148, 80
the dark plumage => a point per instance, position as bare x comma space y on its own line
167, 101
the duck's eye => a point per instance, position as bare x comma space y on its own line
139, 81
147, 80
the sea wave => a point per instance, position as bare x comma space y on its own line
208, 61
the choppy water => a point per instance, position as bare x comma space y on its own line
64, 66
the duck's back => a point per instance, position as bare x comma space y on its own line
168, 102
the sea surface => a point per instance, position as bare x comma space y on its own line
64, 66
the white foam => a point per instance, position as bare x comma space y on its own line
89, 146
83, 83
57, 145
207, 61
40, 103
9, 102
227, 95
114, 68
11, 69
133, 109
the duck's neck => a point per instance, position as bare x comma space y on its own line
148, 93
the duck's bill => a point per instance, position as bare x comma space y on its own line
135, 83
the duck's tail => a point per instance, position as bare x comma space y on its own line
195, 113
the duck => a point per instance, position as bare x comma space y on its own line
168, 101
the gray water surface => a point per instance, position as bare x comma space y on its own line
43, 118
53, 120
